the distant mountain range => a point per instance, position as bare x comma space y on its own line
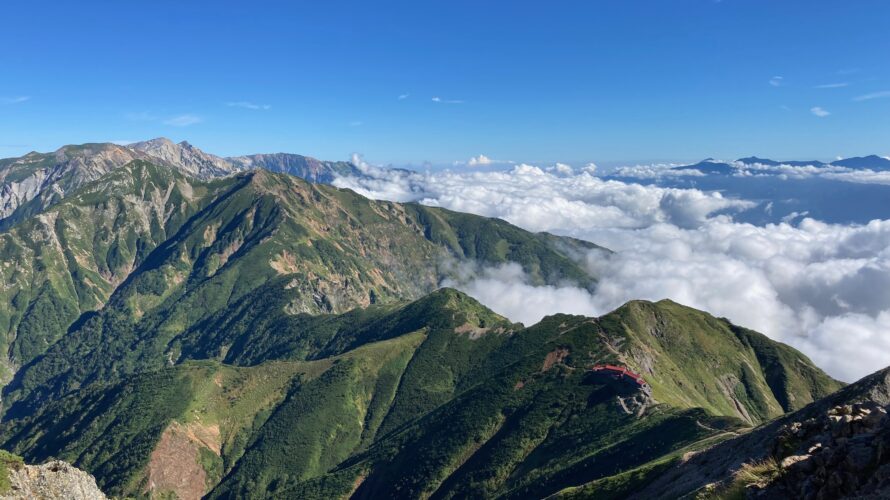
712, 167
36, 181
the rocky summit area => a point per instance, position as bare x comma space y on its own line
845, 452
55, 480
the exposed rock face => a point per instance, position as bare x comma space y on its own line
51, 481
42, 179
49, 176
301, 166
843, 453
186, 157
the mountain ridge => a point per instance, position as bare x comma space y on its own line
33, 182
423, 382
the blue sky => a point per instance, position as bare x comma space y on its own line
572, 81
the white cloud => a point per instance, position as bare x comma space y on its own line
822, 288
776, 81
447, 101
821, 113
832, 85
527, 194
479, 160
657, 171
562, 168
248, 105
402, 97
183, 120
506, 290
860, 176
873, 95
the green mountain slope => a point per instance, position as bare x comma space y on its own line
69, 259
438, 397
162, 259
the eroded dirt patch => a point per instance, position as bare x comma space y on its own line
174, 465
208, 435
284, 263
474, 332
553, 357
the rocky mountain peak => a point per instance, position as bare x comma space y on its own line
186, 157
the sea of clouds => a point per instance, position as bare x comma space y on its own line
781, 171
822, 288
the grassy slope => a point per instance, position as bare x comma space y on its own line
355, 391
556, 430
439, 397
715, 365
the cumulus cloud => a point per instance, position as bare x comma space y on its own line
183, 120
506, 290
657, 171
822, 288
479, 160
562, 168
821, 113
533, 198
860, 176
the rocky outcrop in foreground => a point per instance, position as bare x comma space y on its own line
836, 447
56, 480
843, 453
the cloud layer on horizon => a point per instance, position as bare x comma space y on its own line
781, 171
822, 288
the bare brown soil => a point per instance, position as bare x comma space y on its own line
553, 357
174, 465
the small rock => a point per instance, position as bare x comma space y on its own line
793, 459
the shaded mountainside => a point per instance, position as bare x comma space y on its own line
69, 259
141, 267
438, 397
